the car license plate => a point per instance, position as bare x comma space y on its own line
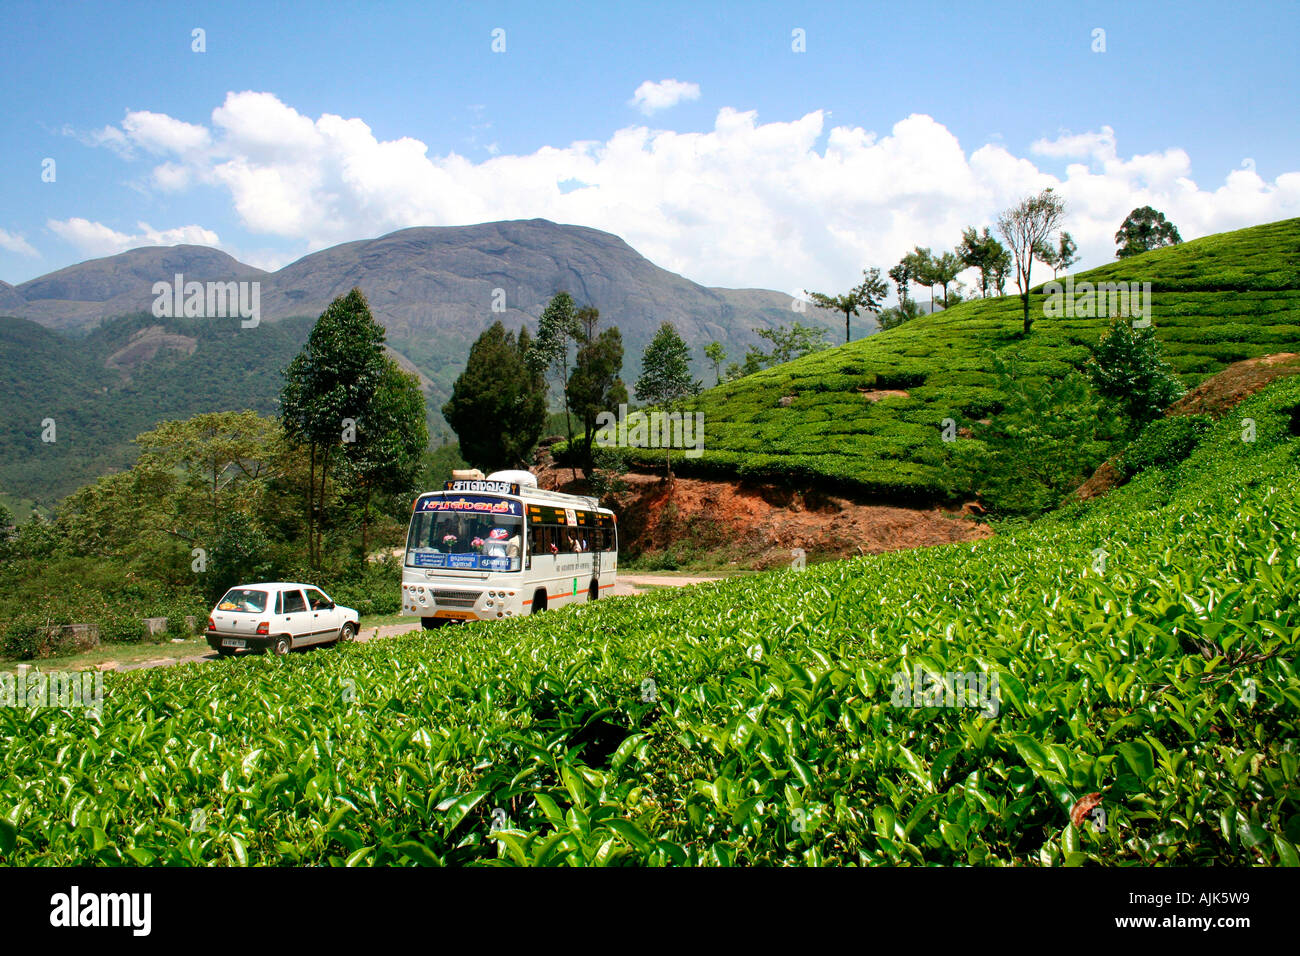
233, 642
455, 615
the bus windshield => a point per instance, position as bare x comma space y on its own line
453, 532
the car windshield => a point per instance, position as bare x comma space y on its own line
243, 599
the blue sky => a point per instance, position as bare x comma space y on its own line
1191, 107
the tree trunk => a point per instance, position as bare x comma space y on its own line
1024, 300
320, 525
365, 520
311, 505
846, 328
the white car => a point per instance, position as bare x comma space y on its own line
278, 616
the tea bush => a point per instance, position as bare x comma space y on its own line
1163, 443
1143, 645
1215, 301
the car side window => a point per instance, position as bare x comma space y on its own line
279, 595
293, 602
318, 601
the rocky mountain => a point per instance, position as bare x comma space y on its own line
82, 347
83, 295
434, 289
10, 300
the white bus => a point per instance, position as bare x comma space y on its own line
497, 547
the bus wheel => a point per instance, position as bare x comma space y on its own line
539, 602
593, 592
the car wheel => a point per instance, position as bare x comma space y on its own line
348, 633
283, 644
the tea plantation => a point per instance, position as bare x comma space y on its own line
1144, 650
1215, 301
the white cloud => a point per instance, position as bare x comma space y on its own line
16, 243
97, 239
787, 205
1099, 145
159, 133
653, 97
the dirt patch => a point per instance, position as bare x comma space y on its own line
1103, 480
878, 394
758, 525
1220, 393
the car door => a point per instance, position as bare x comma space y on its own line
324, 616
295, 617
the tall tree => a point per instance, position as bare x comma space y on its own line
920, 262
792, 343
558, 329
867, 294
980, 252
390, 442
586, 319
945, 269
1025, 227
905, 311
666, 378
716, 355
999, 266
498, 404
214, 451
328, 387
902, 275
1067, 253
1145, 229
595, 386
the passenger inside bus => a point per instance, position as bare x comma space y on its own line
501, 544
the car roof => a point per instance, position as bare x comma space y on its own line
274, 585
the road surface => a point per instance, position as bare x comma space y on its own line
626, 585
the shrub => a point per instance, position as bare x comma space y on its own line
1163, 443
121, 627
1127, 369
1048, 436
25, 637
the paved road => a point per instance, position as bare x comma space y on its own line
627, 585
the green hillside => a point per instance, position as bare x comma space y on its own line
754, 720
1216, 300
98, 408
